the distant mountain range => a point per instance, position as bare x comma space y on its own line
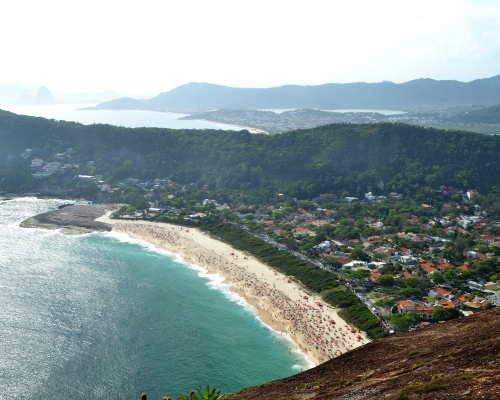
421, 92
23, 94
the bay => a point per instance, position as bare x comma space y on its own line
107, 317
125, 118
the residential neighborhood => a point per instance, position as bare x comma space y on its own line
411, 260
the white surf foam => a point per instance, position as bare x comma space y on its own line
214, 281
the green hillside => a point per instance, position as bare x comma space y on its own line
489, 115
340, 158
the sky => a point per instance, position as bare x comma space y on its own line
144, 47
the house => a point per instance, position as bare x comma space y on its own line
440, 292
464, 223
471, 192
406, 275
460, 300
446, 304
374, 275
444, 265
406, 306
494, 299
408, 259
426, 207
428, 270
354, 263
370, 197
478, 303
488, 239
36, 163
302, 232
86, 178
26, 153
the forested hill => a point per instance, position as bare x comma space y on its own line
341, 158
419, 92
489, 115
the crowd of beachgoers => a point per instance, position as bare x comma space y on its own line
280, 302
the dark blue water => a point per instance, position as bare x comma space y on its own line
97, 316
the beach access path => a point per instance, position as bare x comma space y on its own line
281, 303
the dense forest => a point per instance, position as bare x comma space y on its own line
342, 159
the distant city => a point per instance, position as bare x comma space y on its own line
274, 122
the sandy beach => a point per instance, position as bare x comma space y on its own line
255, 130
281, 304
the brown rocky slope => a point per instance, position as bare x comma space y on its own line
458, 359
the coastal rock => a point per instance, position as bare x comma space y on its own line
80, 218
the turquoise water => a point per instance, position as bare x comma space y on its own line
101, 316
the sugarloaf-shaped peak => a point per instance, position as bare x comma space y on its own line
44, 96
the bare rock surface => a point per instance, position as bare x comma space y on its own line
458, 359
79, 218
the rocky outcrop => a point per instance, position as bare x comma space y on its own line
80, 218
43, 97
454, 360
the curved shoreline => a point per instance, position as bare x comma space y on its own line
279, 302
257, 130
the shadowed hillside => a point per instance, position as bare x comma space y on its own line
305, 163
196, 95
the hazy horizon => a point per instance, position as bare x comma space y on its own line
142, 49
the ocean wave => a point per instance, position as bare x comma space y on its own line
216, 282
125, 238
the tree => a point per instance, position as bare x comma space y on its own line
358, 254
437, 278
409, 292
206, 395
386, 280
440, 314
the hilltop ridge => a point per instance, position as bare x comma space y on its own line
197, 96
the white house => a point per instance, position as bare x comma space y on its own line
36, 162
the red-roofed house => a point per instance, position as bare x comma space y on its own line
428, 268
461, 300
406, 306
374, 275
406, 275
445, 304
444, 265
439, 292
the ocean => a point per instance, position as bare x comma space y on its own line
103, 316
126, 118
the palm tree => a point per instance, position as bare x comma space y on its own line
206, 395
